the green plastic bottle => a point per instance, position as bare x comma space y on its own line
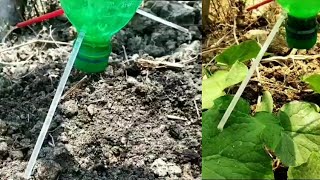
99, 20
301, 25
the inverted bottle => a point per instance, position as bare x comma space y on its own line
301, 26
99, 20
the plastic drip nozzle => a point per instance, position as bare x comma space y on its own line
93, 59
100, 20
301, 33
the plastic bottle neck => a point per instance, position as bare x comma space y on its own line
301, 32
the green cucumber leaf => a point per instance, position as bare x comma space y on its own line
313, 81
237, 151
266, 103
241, 53
301, 135
214, 86
309, 170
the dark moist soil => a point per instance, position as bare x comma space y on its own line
131, 122
283, 80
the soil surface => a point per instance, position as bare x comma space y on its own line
137, 120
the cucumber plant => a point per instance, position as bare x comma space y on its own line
243, 150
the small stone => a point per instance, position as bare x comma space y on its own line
159, 167
16, 155
176, 131
174, 169
135, 57
91, 109
162, 168
63, 137
132, 81
123, 140
70, 108
187, 172
3, 150
3, 127
116, 150
192, 156
48, 170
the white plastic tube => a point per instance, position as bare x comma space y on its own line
156, 18
253, 67
53, 106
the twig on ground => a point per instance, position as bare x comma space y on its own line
176, 117
219, 41
52, 141
8, 33
210, 61
295, 57
210, 50
293, 52
73, 88
197, 109
275, 85
51, 37
158, 64
33, 41
125, 52
12, 63
235, 31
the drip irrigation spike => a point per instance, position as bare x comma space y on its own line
253, 67
53, 106
165, 22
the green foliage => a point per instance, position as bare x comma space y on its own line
301, 134
313, 81
309, 170
214, 86
233, 57
238, 151
242, 53
266, 103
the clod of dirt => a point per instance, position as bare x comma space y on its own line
70, 108
3, 150
47, 170
188, 155
91, 109
143, 35
176, 131
162, 168
174, 12
132, 81
16, 155
3, 127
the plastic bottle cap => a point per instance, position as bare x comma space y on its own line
93, 59
301, 32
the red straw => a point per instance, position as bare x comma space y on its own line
259, 4
41, 18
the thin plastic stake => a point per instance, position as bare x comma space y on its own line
53, 106
153, 17
253, 67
